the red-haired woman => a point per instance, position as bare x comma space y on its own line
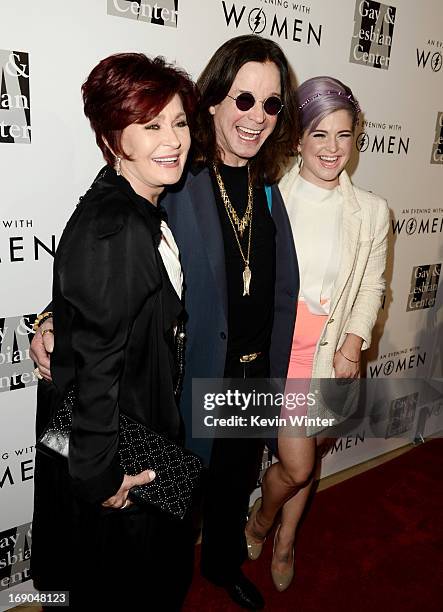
116, 300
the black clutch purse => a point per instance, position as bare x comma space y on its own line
177, 470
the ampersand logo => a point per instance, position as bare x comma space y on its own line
14, 69
424, 287
16, 366
437, 145
15, 104
371, 42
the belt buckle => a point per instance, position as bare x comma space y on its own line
249, 358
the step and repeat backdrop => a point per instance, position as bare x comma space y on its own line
390, 54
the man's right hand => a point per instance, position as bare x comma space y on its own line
42, 346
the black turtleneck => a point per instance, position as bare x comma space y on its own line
250, 317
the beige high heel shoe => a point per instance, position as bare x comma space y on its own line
254, 547
282, 580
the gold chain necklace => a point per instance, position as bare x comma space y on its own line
247, 275
243, 223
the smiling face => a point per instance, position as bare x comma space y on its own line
158, 150
327, 149
240, 134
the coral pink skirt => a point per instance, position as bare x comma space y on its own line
308, 328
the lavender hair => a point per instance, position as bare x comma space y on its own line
322, 95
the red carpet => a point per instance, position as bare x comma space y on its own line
369, 544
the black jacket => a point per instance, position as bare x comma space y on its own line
114, 313
194, 221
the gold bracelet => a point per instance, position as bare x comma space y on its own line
44, 316
351, 360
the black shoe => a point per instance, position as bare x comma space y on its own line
244, 593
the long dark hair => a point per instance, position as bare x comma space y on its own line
214, 84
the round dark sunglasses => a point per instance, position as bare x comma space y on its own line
245, 101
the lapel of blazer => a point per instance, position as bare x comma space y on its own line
208, 222
350, 232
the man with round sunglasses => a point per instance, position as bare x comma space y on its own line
240, 273
245, 101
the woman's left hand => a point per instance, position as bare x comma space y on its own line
344, 368
347, 357
120, 500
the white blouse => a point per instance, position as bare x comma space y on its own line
315, 216
171, 258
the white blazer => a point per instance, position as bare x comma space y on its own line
359, 285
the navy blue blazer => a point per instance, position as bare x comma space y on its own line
193, 219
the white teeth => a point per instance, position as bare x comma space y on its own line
249, 131
165, 159
328, 159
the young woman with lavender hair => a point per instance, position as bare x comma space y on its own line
340, 232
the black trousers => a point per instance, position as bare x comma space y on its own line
232, 476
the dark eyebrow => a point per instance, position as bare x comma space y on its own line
274, 93
326, 131
161, 115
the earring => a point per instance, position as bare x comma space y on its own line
117, 165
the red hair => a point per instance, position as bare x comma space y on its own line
128, 88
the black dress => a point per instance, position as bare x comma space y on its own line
114, 314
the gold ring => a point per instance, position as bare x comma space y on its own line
48, 331
38, 374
